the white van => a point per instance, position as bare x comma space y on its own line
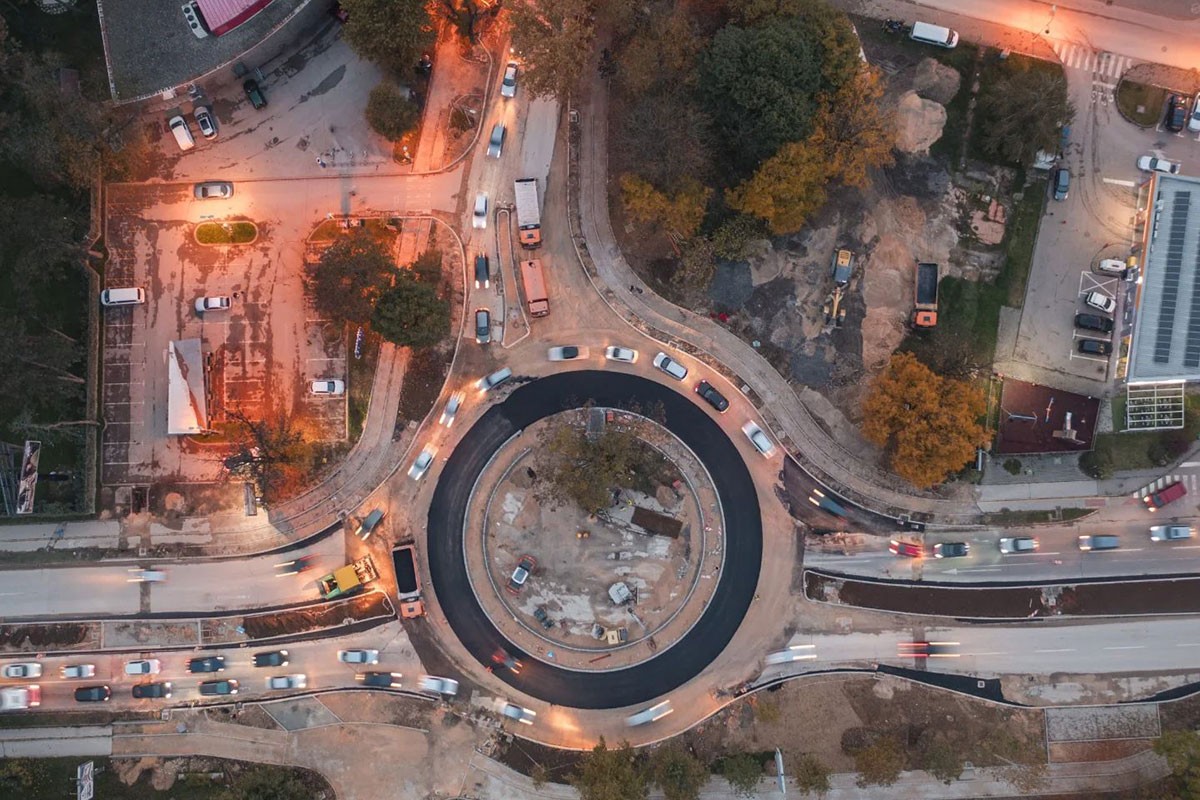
122, 297
183, 134
933, 34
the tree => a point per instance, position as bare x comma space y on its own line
411, 314
268, 783
942, 760
466, 15
694, 273
1098, 463
554, 37
681, 215
670, 133
662, 52
732, 238
880, 763
392, 33
786, 189
810, 775
928, 425
853, 131
427, 267
678, 773
584, 470
390, 113
349, 277
274, 452
610, 775
744, 773
1023, 111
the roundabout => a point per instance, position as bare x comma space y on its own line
583, 685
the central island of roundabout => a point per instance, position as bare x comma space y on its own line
736, 574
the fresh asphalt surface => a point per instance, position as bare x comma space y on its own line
738, 580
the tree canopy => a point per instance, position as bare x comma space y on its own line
1022, 111
879, 763
786, 189
744, 771
411, 314
809, 774
681, 214
392, 33
927, 424
554, 39
678, 773
610, 774
350, 276
584, 470
390, 113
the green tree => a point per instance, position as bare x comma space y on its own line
661, 52
1098, 463
610, 775
942, 760
411, 314
428, 267
670, 133
349, 277
694, 272
786, 189
23, 772
390, 113
392, 33
1023, 111
744, 773
467, 16
678, 773
554, 38
584, 470
880, 763
810, 775
733, 237
268, 783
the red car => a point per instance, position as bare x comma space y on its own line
525, 567
905, 549
1168, 494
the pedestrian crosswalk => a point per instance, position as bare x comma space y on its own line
1190, 480
1106, 68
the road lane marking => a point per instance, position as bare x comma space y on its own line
1187, 644
1127, 647
982, 569
1063, 650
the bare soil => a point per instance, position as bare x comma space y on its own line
1180, 715
1068, 752
333, 614
383, 708
47, 637
422, 384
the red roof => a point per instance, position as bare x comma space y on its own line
222, 16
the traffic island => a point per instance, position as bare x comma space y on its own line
226, 233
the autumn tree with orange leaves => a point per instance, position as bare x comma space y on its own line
928, 425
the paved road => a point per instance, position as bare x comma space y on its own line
739, 576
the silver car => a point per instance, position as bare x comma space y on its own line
479, 216
651, 714
1170, 533
283, 682
496, 141
759, 439
214, 190
495, 379
358, 656
1018, 544
452, 406
625, 355
508, 86
446, 686
670, 366
423, 462
518, 713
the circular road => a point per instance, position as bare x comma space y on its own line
736, 583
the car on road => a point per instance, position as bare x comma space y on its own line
1095, 347
422, 463
93, 694
1018, 544
760, 440
711, 396
502, 658
358, 656
526, 564
432, 683
928, 650
670, 366
1101, 302
508, 85
1094, 322
294, 567
451, 410
328, 386
1155, 164
648, 715
227, 686
951, 550
205, 121
1177, 113
147, 666
518, 713
152, 691
1194, 119
1094, 542
479, 215
483, 326
146, 576
284, 682
216, 303
1168, 533
495, 146
76, 671
207, 664
254, 93
14, 698
489, 382
273, 658
1167, 494
566, 352
213, 190
1061, 183
380, 680
906, 549
483, 273
625, 355
24, 669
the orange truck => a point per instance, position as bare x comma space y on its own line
529, 214
408, 582
535, 288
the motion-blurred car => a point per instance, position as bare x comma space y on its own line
759, 439
907, 549
625, 355
76, 671
1169, 533
1018, 544
518, 713
422, 463
152, 691
451, 410
508, 86
294, 567
274, 658
207, 664
147, 666
213, 190
711, 396
483, 273
928, 650
92, 694
951, 550
489, 382
380, 680
24, 669
568, 352
1194, 119
479, 215
651, 714
1102, 542
328, 386
358, 656
670, 366
14, 698
495, 146
432, 683
216, 303
1167, 494
227, 686
283, 682
1155, 164
502, 658
146, 576
525, 566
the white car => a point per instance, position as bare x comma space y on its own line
146, 576
651, 714
1113, 266
479, 217
1101, 302
519, 713
328, 386
147, 666
79, 671
446, 686
759, 439
1194, 120
423, 462
219, 303
670, 366
281, 682
567, 352
1018, 544
358, 656
451, 410
210, 190
625, 355
26, 669
508, 86
13, 698
1154, 164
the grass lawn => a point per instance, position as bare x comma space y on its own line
1022, 233
1132, 96
330, 229
226, 232
1132, 450
1017, 518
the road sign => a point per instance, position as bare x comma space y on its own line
84, 783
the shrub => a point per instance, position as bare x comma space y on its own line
390, 113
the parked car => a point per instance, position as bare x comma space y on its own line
483, 274
526, 564
489, 382
1087, 542
1177, 113
152, 691
1170, 533
257, 98
147, 666
451, 410
15, 698
951, 550
483, 326
76, 671
205, 121
543, 617
625, 355
380, 680
227, 686
651, 714
358, 656
207, 664
1101, 302
1155, 164
670, 366
23, 670
518, 713
1194, 119
1114, 266
213, 190
508, 85
92, 694
1095, 347
1094, 322
284, 682
1062, 183
568, 352
217, 303
1018, 544
432, 683
328, 386
711, 396
907, 549
479, 215
273, 658
496, 141
1167, 494
759, 439
422, 463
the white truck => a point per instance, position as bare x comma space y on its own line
529, 214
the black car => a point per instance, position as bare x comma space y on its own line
275, 658
380, 680
951, 550
541, 616
1062, 183
92, 694
482, 273
1177, 111
257, 99
712, 396
144, 691
207, 664
1094, 322
227, 686
1095, 347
